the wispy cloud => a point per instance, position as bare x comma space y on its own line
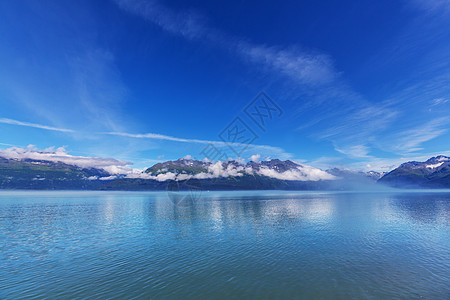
304, 67
3, 144
433, 6
411, 140
439, 101
251, 147
155, 136
367, 120
34, 125
357, 151
301, 66
98, 88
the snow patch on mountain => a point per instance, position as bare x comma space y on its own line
434, 166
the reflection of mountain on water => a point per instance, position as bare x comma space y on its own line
425, 208
229, 209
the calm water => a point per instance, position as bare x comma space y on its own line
225, 244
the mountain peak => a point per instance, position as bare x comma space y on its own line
439, 158
434, 172
183, 169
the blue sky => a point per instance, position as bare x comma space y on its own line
361, 84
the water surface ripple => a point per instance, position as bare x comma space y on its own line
225, 245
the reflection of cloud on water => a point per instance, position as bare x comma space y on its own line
220, 211
318, 209
109, 209
216, 216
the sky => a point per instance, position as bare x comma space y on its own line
363, 85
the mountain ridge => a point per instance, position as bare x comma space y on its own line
432, 173
231, 174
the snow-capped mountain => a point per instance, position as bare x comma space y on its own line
44, 174
435, 172
183, 169
30, 169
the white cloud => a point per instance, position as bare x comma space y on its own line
240, 160
112, 177
166, 176
34, 125
255, 157
302, 173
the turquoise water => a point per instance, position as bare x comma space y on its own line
221, 245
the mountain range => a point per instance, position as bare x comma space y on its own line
41, 174
187, 173
433, 173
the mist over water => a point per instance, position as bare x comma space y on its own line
225, 244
